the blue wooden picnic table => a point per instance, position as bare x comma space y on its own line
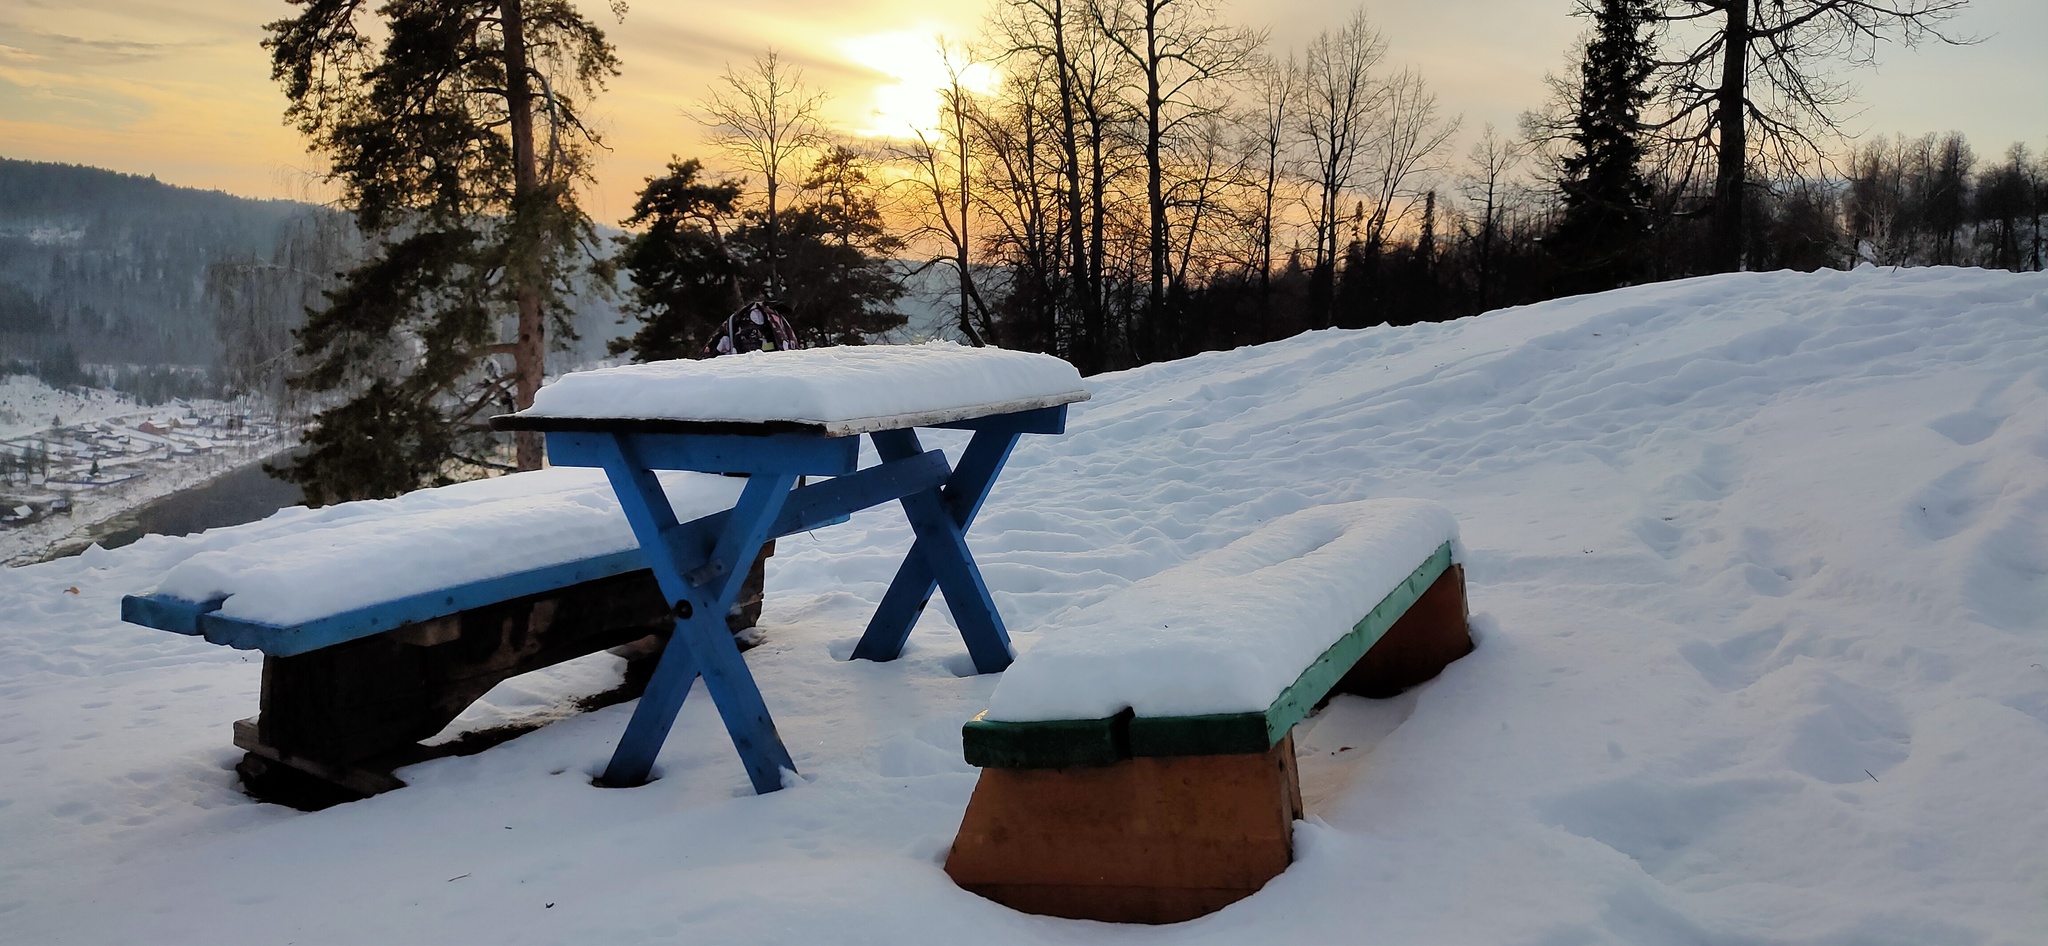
700, 564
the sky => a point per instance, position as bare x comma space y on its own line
180, 88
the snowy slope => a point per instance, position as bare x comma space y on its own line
1759, 565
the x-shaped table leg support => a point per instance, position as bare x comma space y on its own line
700, 592
939, 558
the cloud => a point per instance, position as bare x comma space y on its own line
72, 105
709, 51
59, 49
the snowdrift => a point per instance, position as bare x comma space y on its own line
1759, 566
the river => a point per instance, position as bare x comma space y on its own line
244, 494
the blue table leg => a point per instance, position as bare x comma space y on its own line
701, 587
940, 557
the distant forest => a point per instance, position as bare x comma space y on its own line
110, 269
121, 281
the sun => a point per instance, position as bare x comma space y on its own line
918, 62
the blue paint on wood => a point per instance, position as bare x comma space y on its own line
939, 558
167, 613
797, 454
171, 614
1043, 420
701, 563
707, 648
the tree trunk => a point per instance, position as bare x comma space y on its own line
1725, 241
960, 243
529, 353
1155, 187
1086, 352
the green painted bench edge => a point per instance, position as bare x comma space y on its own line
1063, 743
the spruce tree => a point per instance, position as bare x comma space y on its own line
452, 130
1598, 243
703, 253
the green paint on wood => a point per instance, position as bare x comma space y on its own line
1051, 744
1060, 743
1297, 701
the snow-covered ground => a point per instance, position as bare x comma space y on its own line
1759, 566
28, 405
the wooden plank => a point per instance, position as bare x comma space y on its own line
1315, 683
792, 453
945, 417
166, 613
1435, 631
1036, 746
1043, 420
289, 640
942, 544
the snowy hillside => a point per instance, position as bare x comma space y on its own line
1759, 567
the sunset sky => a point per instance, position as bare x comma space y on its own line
180, 88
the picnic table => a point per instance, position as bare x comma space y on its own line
775, 418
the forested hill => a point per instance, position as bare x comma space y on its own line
102, 267
99, 268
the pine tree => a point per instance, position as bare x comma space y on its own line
1598, 242
452, 129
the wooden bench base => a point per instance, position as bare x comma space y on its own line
335, 722
1162, 839
1155, 840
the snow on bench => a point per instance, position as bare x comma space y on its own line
1221, 654
364, 568
1137, 762
835, 391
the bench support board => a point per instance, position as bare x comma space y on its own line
346, 715
1147, 840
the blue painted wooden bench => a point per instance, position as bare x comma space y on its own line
1146, 817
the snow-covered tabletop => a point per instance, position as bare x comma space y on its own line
844, 390
1227, 632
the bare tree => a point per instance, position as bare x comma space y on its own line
1022, 200
1339, 93
766, 120
942, 163
1040, 34
1276, 83
1406, 135
1178, 51
258, 302
1488, 165
1751, 85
